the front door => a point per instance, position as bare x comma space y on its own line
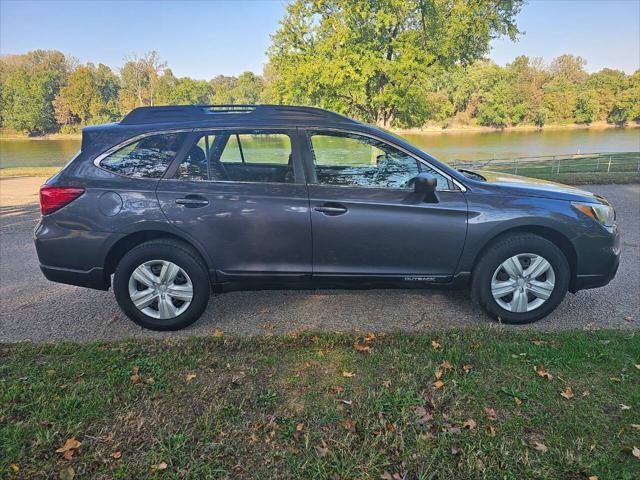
365, 216
242, 196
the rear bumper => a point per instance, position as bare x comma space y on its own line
94, 278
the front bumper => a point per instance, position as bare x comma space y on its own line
598, 260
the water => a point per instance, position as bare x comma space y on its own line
446, 147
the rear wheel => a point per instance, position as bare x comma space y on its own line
162, 285
521, 278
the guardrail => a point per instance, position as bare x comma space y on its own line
555, 166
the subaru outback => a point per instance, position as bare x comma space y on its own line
175, 202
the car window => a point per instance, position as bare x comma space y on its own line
348, 159
255, 156
146, 158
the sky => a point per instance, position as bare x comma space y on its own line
202, 39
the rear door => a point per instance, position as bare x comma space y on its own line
241, 194
366, 218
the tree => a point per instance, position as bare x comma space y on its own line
139, 77
627, 105
29, 88
366, 58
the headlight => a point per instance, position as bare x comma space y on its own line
603, 214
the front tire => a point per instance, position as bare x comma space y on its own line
520, 278
162, 285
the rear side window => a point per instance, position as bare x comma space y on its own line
257, 156
146, 158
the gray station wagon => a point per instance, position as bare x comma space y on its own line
175, 201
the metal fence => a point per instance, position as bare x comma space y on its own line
555, 166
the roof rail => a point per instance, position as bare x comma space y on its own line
190, 113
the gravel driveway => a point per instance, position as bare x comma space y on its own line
31, 308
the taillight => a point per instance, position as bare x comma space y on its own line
54, 198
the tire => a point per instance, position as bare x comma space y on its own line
156, 257
490, 271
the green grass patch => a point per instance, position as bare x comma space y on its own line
28, 171
303, 406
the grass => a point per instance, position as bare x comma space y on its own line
28, 171
286, 407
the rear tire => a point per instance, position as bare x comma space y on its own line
169, 282
505, 281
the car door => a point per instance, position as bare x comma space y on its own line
366, 219
241, 194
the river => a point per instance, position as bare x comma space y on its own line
445, 146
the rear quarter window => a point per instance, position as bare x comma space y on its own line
145, 158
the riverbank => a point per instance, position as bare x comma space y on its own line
427, 129
434, 129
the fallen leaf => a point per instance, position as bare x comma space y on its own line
370, 337
628, 319
362, 348
541, 447
469, 423
543, 373
438, 374
386, 476
624, 407
435, 344
217, 333
69, 446
446, 365
491, 413
299, 427
337, 389
455, 430
348, 374
491, 431
306, 365
517, 401
159, 466
568, 393
593, 477
67, 473
636, 452
321, 451
635, 425
637, 365
315, 339
423, 415
14, 467
538, 342
346, 402
391, 427
135, 375
116, 455
466, 368
350, 425
455, 450
386, 383
190, 376
438, 384
51, 372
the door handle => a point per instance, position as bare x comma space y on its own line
331, 209
192, 201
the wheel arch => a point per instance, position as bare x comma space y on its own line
126, 243
554, 236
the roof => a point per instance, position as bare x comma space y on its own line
233, 114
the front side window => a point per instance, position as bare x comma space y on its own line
348, 159
255, 156
146, 158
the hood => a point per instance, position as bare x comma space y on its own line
536, 187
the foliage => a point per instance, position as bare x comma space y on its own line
44, 91
369, 59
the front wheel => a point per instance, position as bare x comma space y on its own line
521, 278
162, 285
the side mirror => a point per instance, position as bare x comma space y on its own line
425, 185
